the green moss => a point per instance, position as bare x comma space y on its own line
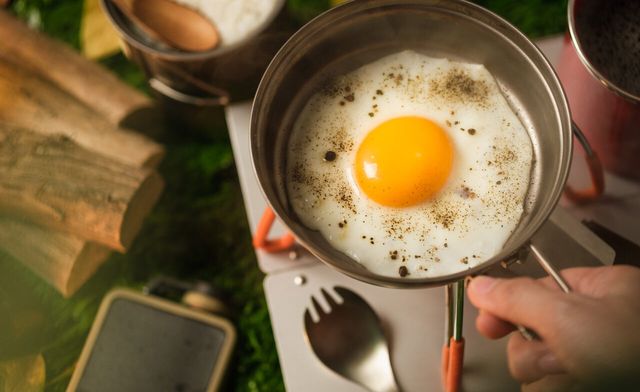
60, 19
536, 18
197, 231
305, 10
127, 71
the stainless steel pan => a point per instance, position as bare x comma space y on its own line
358, 32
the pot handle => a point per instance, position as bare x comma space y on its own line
168, 91
595, 170
215, 96
260, 240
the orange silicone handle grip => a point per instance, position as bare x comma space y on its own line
452, 361
597, 180
595, 171
261, 240
444, 365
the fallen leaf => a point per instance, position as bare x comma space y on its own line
26, 374
98, 38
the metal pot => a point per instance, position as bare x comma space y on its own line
211, 78
358, 32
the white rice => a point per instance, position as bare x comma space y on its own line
235, 19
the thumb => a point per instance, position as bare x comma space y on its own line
521, 301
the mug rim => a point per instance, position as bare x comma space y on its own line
575, 41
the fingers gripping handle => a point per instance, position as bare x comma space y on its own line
261, 240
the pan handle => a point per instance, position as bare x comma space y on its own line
595, 171
550, 269
261, 240
527, 333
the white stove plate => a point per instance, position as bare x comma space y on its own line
413, 320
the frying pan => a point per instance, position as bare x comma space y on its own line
359, 32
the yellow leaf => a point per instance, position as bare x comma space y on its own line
26, 374
98, 37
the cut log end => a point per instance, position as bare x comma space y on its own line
90, 258
139, 207
63, 260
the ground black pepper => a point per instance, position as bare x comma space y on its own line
457, 86
403, 271
330, 156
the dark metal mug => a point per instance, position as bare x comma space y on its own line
607, 112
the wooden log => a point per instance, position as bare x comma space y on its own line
87, 81
63, 260
30, 101
51, 181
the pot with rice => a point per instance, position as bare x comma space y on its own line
251, 31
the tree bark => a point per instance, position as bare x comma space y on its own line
51, 181
86, 81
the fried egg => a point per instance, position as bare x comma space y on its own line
413, 166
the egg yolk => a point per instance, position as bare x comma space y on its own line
403, 161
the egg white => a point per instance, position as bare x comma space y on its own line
471, 217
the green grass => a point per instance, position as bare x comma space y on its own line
197, 231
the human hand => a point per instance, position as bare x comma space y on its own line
590, 338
